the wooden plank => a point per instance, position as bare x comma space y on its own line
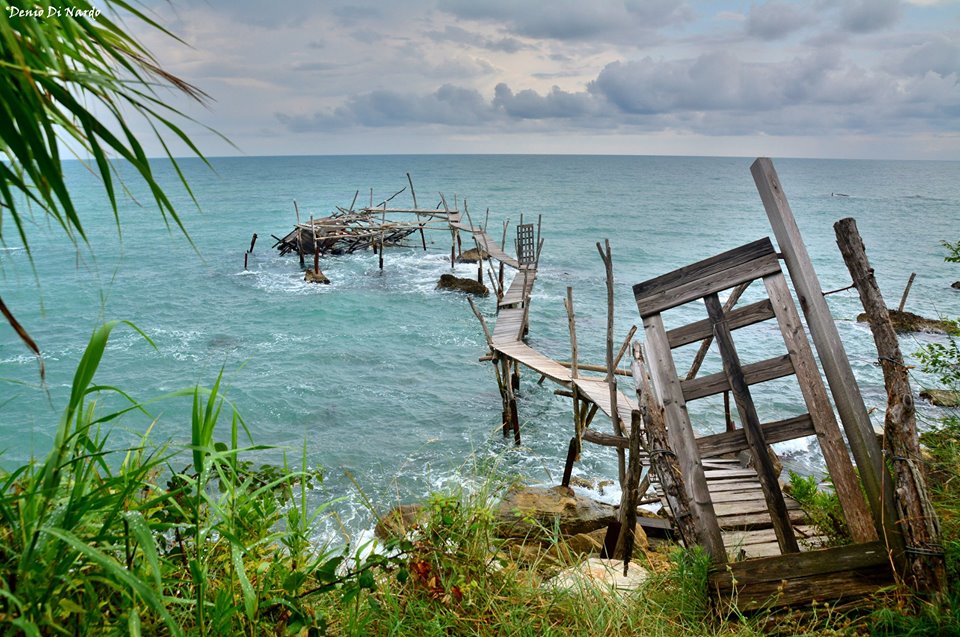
668, 393
819, 562
744, 507
835, 454
734, 441
751, 426
717, 264
740, 317
754, 373
758, 520
696, 289
833, 357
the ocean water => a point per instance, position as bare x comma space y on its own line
377, 375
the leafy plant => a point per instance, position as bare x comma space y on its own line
823, 507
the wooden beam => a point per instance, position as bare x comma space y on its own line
740, 317
689, 283
668, 395
734, 441
844, 478
826, 338
751, 427
754, 373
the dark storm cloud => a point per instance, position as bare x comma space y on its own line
573, 19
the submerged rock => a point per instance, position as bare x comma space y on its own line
536, 512
470, 286
909, 322
315, 276
955, 285
473, 255
941, 397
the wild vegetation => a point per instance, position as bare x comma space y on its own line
155, 539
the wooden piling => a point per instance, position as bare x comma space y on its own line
296, 210
917, 519
253, 242
607, 258
906, 291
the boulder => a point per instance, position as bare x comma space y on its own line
400, 520
941, 397
473, 255
603, 574
470, 286
539, 512
315, 276
955, 285
586, 544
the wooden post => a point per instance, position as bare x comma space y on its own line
413, 194
630, 494
607, 258
664, 462
697, 510
919, 524
833, 357
903, 299
296, 210
574, 371
245, 255
572, 452
253, 242
751, 427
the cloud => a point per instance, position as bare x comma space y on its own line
867, 16
462, 36
574, 19
449, 105
941, 55
776, 19
528, 104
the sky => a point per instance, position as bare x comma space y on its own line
824, 78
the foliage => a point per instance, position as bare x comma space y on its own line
953, 250
91, 542
71, 77
822, 506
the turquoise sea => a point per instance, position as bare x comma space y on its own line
378, 373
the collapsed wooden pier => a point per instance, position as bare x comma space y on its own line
764, 550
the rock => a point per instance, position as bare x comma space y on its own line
470, 286
604, 574
909, 322
315, 276
473, 255
941, 397
536, 512
955, 285
591, 543
400, 520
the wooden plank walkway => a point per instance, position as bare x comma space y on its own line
486, 243
741, 509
